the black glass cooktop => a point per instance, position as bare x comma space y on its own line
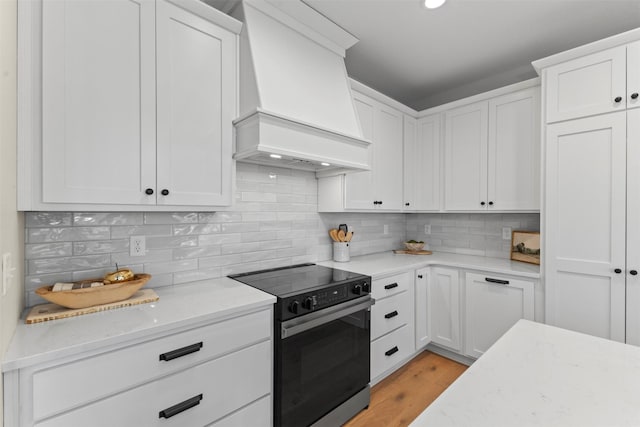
289, 281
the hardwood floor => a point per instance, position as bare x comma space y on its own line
402, 396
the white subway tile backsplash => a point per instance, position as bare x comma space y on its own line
103, 218
66, 234
273, 223
47, 250
170, 218
140, 230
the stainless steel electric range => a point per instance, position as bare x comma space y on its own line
322, 342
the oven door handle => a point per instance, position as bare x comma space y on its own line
295, 326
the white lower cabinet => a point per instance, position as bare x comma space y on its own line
493, 304
392, 323
444, 307
217, 373
423, 326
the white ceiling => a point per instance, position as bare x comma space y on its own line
424, 57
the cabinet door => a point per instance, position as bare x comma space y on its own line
444, 307
633, 227
359, 186
633, 75
514, 151
466, 158
387, 158
196, 92
422, 165
585, 225
492, 306
586, 86
98, 101
423, 332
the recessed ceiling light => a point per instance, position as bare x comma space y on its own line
325, 164
433, 4
275, 156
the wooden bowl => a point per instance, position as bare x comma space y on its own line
88, 297
414, 247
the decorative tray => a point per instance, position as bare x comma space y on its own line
88, 297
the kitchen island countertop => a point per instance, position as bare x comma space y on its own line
540, 375
178, 307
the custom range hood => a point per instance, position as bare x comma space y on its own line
296, 109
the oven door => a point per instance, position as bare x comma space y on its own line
322, 359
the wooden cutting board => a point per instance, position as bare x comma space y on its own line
404, 251
45, 312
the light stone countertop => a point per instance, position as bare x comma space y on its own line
540, 375
178, 307
383, 263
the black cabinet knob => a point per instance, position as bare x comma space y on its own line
419, 276
490, 203
618, 99
482, 203
165, 192
633, 272
634, 95
617, 271
148, 191
407, 204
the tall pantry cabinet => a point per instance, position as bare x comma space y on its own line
591, 214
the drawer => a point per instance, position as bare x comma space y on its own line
66, 386
225, 385
390, 350
391, 285
389, 314
257, 414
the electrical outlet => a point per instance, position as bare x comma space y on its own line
506, 233
427, 229
385, 229
137, 246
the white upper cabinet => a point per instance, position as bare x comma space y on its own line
381, 187
98, 101
514, 151
492, 154
601, 82
196, 87
130, 119
422, 163
466, 157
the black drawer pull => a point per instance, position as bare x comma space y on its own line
394, 313
391, 286
174, 354
180, 407
390, 352
498, 281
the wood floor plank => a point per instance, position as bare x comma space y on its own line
398, 399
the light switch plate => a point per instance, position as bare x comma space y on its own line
427, 229
7, 272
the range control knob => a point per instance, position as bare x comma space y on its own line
294, 307
357, 289
308, 303
366, 287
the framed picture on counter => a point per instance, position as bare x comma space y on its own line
525, 246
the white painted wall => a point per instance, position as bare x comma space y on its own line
11, 221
